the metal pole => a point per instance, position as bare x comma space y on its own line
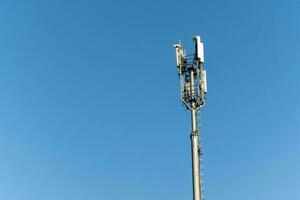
195, 143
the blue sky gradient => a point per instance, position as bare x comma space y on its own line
90, 103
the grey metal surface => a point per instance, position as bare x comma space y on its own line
195, 147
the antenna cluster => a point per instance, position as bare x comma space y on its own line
193, 87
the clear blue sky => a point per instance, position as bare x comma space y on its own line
90, 109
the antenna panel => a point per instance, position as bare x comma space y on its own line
199, 50
204, 83
178, 54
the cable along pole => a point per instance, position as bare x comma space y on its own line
193, 89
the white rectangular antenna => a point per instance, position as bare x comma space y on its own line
199, 48
178, 54
204, 83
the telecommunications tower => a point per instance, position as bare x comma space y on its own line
193, 89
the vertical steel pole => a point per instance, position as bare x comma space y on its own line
195, 143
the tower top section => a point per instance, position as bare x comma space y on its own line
193, 86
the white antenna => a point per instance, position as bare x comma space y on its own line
178, 54
203, 78
193, 89
199, 50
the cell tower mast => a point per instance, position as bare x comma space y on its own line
193, 89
